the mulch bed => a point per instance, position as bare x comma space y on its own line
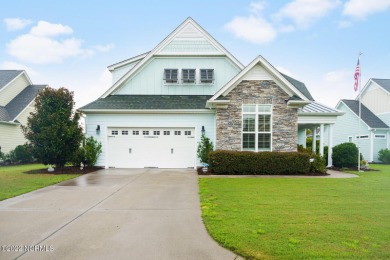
66, 170
209, 172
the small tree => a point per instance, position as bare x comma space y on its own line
53, 128
204, 147
93, 149
384, 155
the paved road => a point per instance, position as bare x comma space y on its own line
111, 214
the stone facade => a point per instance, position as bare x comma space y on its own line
284, 119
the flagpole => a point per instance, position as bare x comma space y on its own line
360, 109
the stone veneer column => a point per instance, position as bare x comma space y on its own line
284, 119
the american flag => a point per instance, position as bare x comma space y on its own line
357, 73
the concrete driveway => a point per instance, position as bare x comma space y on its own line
110, 214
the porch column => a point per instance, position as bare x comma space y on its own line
371, 146
322, 139
305, 136
330, 146
314, 140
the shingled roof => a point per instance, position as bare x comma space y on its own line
16, 105
6, 76
384, 83
129, 102
299, 85
367, 116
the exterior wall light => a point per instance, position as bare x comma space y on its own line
98, 129
203, 130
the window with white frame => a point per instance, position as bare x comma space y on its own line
135, 132
167, 132
177, 132
156, 132
170, 75
380, 136
257, 128
125, 132
145, 132
349, 139
114, 132
187, 132
188, 75
206, 75
362, 137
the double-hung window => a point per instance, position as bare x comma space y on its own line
170, 75
188, 75
206, 75
257, 128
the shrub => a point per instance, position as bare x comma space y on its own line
93, 149
22, 153
271, 163
318, 165
345, 155
384, 155
205, 146
307, 150
78, 157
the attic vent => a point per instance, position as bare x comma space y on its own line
188, 75
170, 75
206, 75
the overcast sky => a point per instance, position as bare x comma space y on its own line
71, 43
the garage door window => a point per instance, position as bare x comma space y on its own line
187, 132
125, 132
114, 132
156, 132
177, 132
167, 132
135, 132
145, 132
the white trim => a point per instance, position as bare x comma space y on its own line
9, 123
367, 85
381, 138
286, 85
330, 145
165, 42
126, 62
371, 146
147, 111
322, 133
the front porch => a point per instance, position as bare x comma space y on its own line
314, 116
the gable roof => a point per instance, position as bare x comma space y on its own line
127, 61
6, 76
384, 83
19, 103
145, 102
188, 22
296, 89
367, 116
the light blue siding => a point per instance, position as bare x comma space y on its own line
149, 81
348, 125
379, 143
147, 121
302, 137
121, 71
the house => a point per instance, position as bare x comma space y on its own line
373, 134
17, 94
162, 101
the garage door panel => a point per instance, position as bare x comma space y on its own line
153, 150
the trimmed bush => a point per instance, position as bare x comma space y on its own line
345, 155
93, 149
23, 154
318, 165
384, 155
268, 163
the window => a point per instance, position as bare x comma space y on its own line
177, 132
156, 132
188, 75
136, 132
170, 75
167, 132
349, 139
114, 132
257, 128
187, 132
145, 132
206, 75
124, 132
362, 137
380, 136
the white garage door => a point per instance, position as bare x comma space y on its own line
151, 147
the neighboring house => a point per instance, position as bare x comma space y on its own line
374, 130
161, 101
17, 94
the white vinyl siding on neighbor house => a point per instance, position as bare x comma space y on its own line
376, 99
150, 121
12, 135
13, 89
150, 80
257, 128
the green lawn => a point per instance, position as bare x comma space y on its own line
301, 218
13, 180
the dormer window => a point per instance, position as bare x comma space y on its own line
170, 75
188, 75
206, 76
